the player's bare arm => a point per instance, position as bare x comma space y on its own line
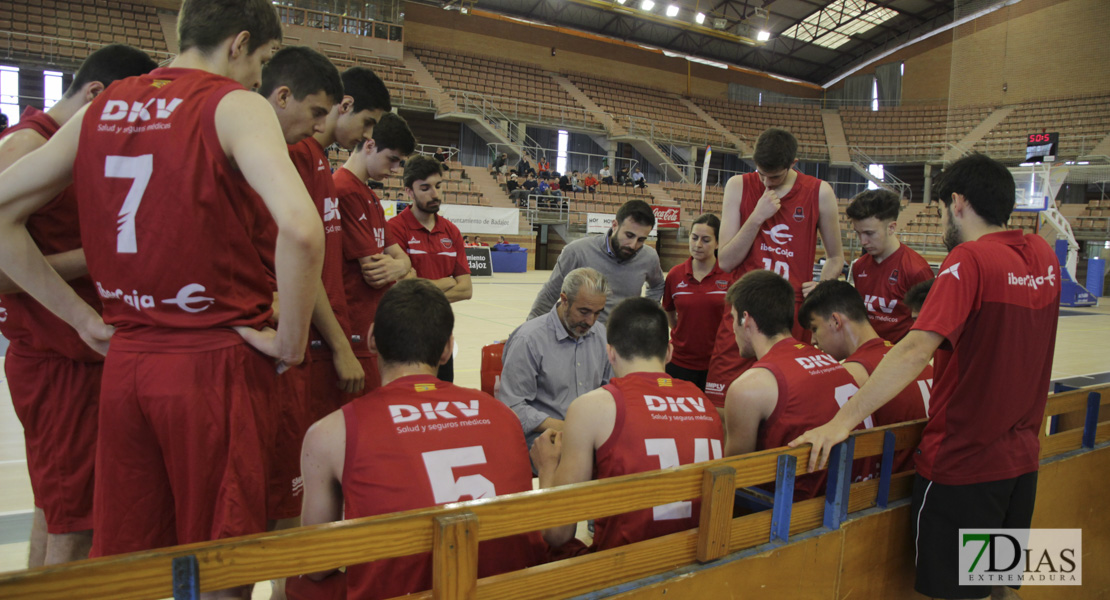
249, 132
462, 290
69, 265
325, 445
30, 184
828, 225
750, 400
858, 372
672, 318
382, 269
16, 145
351, 378
898, 369
589, 423
741, 236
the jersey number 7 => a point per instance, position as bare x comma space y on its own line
138, 169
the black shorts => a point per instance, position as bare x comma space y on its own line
940, 511
695, 377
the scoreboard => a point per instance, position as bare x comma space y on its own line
1041, 145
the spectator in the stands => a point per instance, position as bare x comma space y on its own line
466, 240
498, 167
606, 175
478, 241
590, 183
512, 184
441, 155
564, 183
543, 189
501, 239
556, 188
638, 178
576, 182
543, 167
524, 167
623, 178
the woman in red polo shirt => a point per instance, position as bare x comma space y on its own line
694, 298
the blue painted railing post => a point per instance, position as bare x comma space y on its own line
1091, 426
186, 578
882, 497
784, 497
839, 482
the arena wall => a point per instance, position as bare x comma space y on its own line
476, 34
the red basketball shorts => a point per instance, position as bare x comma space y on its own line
182, 455
56, 400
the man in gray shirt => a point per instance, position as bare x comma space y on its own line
620, 256
550, 361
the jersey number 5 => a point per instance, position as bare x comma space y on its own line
666, 449
138, 169
445, 488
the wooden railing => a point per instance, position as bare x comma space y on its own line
183, 571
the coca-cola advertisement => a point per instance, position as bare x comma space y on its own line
667, 217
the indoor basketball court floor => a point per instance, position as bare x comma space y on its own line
499, 305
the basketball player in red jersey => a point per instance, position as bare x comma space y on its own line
53, 377
335, 369
889, 268
367, 242
393, 450
770, 220
979, 454
178, 461
791, 386
838, 318
640, 421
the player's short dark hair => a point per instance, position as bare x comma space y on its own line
419, 168
915, 297
413, 323
304, 71
367, 89
640, 212
767, 297
637, 328
884, 205
205, 24
712, 221
392, 132
111, 63
775, 149
830, 297
986, 184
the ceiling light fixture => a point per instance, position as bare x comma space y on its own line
647, 5
763, 35
672, 10
700, 18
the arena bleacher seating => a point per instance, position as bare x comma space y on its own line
748, 120
909, 133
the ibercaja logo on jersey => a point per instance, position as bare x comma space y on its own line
446, 242
893, 279
799, 214
722, 284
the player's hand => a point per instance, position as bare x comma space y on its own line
823, 439
807, 287
546, 450
265, 340
383, 270
769, 204
97, 334
352, 378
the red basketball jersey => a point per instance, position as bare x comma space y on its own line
996, 301
29, 326
786, 244
312, 163
364, 234
660, 423
911, 404
418, 442
884, 285
699, 306
169, 253
812, 388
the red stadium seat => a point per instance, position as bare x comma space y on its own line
491, 366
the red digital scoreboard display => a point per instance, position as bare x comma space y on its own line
1040, 145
